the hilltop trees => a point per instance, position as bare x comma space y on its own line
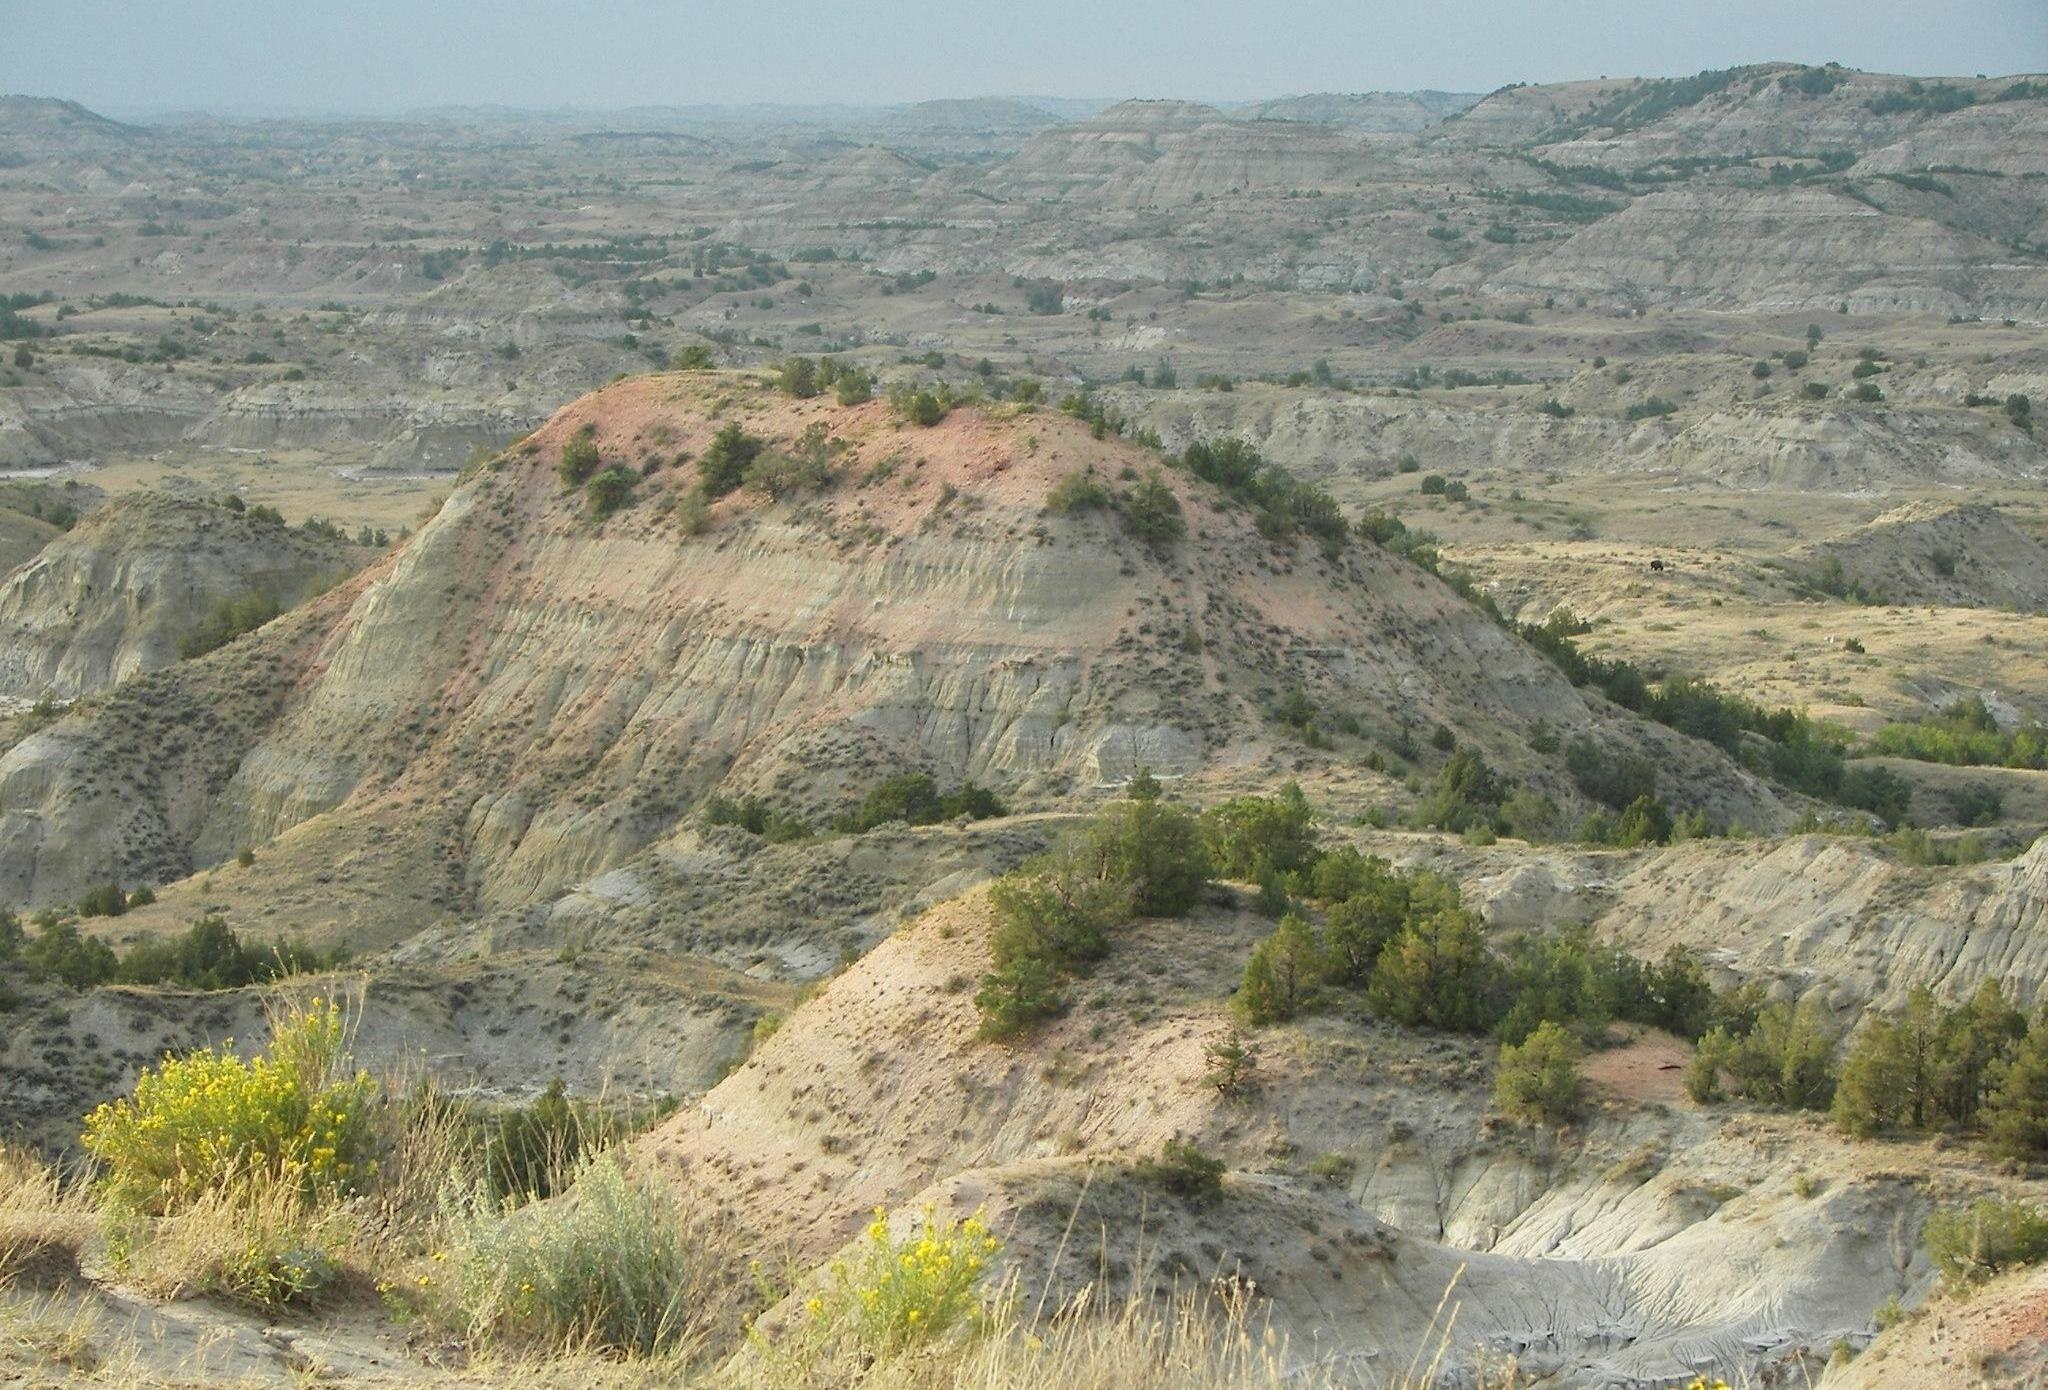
724, 464
579, 456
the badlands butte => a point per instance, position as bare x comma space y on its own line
1399, 736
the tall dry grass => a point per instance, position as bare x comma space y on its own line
44, 1220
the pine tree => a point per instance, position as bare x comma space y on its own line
1277, 976
2016, 1114
1976, 1040
1872, 1091
1539, 1081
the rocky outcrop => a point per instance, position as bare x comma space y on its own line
1144, 153
1342, 440
1968, 556
1377, 112
1777, 249
116, 596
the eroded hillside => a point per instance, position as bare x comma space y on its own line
561, 691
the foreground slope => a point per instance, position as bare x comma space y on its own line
1366, 1176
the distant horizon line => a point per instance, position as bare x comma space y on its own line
257, 111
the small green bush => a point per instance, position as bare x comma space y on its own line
579, 456
723, 466
59, 951
853, 387
228, 619
1184, 1171
609, 490
103, 900
618, 1268
891, 1295
1986, 1239
1152, 513
1539, 1081
1076, 492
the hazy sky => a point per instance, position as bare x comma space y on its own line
380, 55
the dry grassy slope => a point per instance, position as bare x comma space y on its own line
114, 597
1967, 556
538, 697
1652, 1237
123, 786
1996, 1338
1721, 611
789, 912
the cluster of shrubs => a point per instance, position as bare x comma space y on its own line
1468, 797
1405, 947
1140, 857
1283, 505
605, 488
228, 619
914, 798
1965, 735
924, 406
911, 798
1976, 1066
756, 817
805, 377
209, 955
1985, 1239
1774, 1054
1104, 420
1828, 577
1150, 511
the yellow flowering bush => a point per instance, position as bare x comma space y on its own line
200, 1123
895, 1293
1702, 1383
